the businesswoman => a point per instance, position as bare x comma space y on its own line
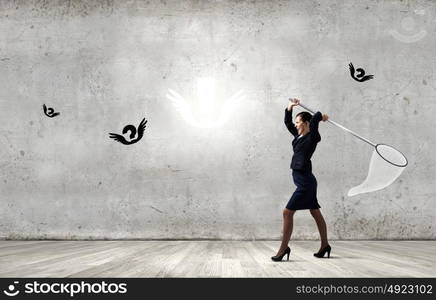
306, 137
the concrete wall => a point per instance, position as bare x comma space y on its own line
106, 64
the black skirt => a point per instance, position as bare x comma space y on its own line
304, 196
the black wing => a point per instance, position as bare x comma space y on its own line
44, 107
141, 128
118, 138
350, 65
367, 77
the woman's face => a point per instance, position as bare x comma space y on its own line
300, 125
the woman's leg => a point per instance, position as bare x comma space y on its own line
322, 227
288, 221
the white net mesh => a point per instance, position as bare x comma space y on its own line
381, 173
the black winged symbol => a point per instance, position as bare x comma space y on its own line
49, 112
360, 76
132, 129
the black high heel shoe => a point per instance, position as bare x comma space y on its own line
280, 257
323, 251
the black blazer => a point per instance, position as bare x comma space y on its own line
304, 146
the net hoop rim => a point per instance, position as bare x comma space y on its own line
401, 166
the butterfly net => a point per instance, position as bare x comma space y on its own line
387, 163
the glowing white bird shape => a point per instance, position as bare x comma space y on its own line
185, 110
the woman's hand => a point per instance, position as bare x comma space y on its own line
293, 102
325, 117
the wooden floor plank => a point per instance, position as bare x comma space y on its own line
214, 259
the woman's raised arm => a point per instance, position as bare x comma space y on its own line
288, 116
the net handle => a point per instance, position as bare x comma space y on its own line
342, 127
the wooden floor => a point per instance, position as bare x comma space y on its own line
214, 259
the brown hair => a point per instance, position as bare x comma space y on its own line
305, 116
